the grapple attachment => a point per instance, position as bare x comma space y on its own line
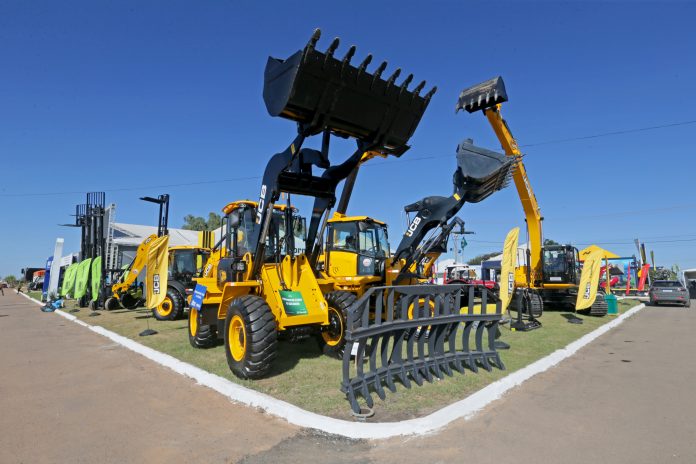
320, 91
411, 334
482, 172
481, 96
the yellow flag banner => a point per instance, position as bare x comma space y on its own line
507, 267
589, 280
156, 272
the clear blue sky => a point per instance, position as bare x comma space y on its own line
126, 96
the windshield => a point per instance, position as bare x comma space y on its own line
247, 233
365, 238
554, 261
666, 283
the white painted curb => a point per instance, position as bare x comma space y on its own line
466, 408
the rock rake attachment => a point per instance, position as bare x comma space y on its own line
320, 91
416, 333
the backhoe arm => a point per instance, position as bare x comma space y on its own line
488, 97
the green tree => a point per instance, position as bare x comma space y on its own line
10, 279
549, 242
480, 258
192, 222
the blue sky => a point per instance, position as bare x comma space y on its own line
126, 96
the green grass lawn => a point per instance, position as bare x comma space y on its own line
303, 377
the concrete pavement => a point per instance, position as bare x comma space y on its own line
70, 395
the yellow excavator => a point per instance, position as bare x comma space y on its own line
551, 274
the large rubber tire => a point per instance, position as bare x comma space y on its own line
200, 335
171, 308
535, 300
332, 340
112, 304
251, 337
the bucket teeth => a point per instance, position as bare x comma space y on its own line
393, 77
321, 92
363, 65
482, 96
349, 55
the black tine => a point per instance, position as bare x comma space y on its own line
430, 94
393, 77
380, 70
332, 48
314, 39
418, 88
363, 65
349, 55
405, 83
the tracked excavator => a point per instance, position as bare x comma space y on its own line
551, 274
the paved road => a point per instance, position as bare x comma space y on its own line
69, 395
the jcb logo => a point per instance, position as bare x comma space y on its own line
207, 269
511, 283
262, 202
587, 291
412, 228
156, 284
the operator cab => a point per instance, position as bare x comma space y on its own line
240, 235
560, 264
185, 263
356, 246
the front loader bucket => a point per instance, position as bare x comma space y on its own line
481, 96
322, 92
483, 171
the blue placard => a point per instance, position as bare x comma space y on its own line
197, 298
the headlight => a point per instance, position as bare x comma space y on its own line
239, 266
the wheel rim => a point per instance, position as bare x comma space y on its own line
236, 338
334, 334
165, 308
412, 306
193, 322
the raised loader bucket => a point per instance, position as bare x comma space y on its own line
322, 92
483, 171
481, 96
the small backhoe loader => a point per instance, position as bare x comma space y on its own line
184, 263
551, 275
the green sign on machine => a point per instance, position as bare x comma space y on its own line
293, 303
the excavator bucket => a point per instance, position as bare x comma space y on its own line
483, 171
320, 91
481, 96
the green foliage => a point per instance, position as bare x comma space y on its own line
10, 279
662, 273
549, 242
192, 222
480, 258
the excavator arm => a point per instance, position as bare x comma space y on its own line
488, 97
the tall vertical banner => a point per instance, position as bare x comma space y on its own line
507, 267
589, 280
644, 271
55, 267
156, 272
47, 276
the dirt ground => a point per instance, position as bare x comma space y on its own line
70, 395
